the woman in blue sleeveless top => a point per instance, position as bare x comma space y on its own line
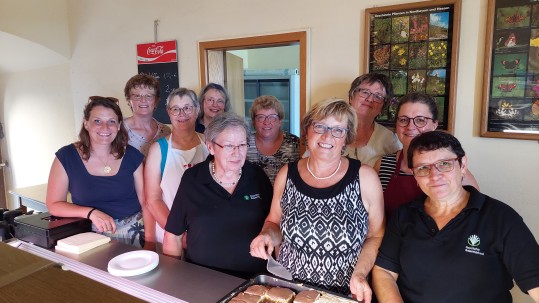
103, 174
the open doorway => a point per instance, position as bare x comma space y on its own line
222, 61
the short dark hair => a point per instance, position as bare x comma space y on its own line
371, 78
422, 98
434, 140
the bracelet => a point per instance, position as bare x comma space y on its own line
90, 212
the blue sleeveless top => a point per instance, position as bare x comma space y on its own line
114, 195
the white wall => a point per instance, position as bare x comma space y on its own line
38, 119
103, 35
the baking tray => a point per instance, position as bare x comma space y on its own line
275, 281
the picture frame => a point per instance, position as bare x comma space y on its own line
510, 103
416, 46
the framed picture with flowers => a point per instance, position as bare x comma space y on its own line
416, 46
511, 75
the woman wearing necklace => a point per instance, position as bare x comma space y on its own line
142, 94
170, 157
221, 203
103, 174
327, 212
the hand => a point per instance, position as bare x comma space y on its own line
262, 246
360, 288
103, 222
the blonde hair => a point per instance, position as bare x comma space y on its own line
337, 108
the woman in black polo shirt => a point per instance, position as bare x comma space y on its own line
454, 244
221, 202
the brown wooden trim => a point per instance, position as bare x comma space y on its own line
283, 39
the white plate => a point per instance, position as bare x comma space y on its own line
133, 263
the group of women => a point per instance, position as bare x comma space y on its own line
209, 197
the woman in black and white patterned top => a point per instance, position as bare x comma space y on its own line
327, 210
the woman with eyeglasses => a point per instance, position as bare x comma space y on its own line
103, 174
221, 203
270, 147
142, 94
213, 100
327, 213
170, 157
367, 95
453, 243
417, 113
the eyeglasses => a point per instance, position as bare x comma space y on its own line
188, 109
263, 118
365, 94
220, 102
111, 99
442, 166
419, 121
148, 97
230, 148
337, 132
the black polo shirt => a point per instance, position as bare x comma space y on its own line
221, 225
474, 258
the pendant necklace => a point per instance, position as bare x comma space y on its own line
323, 178
107, 169
219, 181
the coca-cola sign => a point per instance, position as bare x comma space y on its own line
159, 52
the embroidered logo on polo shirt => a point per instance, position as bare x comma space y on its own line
473, 245
251, 197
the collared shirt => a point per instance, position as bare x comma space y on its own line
221, 225
473, 258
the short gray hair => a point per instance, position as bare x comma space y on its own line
180, 92
223, 121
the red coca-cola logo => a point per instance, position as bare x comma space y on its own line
156, 50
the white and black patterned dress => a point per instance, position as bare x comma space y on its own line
323, 229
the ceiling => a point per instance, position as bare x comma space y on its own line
18, 55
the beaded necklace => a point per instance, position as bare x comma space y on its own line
221, 182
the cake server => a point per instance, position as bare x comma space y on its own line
277, 269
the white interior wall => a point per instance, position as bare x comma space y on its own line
104, 33
38, 119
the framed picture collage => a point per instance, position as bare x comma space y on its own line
511, 84
415, 46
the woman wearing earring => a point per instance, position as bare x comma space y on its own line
327, 211
103, 174
142, 94
171, 156
221, 203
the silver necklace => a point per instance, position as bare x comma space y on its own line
323, 178
219, 181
